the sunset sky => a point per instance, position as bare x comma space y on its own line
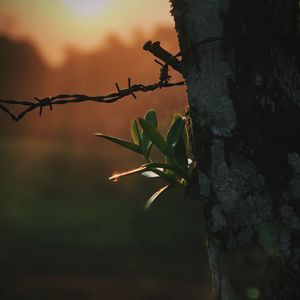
55, 25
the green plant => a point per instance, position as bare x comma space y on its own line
176, 168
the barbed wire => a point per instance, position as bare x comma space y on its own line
78, 98
164, 78
130, 90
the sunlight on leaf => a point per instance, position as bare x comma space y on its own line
151, 174
116, 177
135, 133
166, 176
155, 195
177, 168
165, 167
186, 139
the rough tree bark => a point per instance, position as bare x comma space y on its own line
244, 103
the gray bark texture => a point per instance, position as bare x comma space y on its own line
244, 105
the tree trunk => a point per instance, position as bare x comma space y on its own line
244, 104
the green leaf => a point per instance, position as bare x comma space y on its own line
175, 131
155, 195
151, 117
151, 174
163, 167
165, 176
147, 172
186, 139
135, 132
185, 133
181, 157
155, 136
146, 144
155, 170
175, 117
125, 144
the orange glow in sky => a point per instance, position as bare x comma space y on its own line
55, 25
86, 8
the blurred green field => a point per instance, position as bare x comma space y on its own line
66, 228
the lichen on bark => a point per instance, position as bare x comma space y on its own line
244, 105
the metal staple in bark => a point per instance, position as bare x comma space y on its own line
130, 90
167, 58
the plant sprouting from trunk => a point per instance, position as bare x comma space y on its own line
176, 167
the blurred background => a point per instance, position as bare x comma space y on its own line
66, 231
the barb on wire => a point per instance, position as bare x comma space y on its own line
155, 48
78, 98
131, 90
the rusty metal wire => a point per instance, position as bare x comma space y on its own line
109, 98
168, 60
78, 98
